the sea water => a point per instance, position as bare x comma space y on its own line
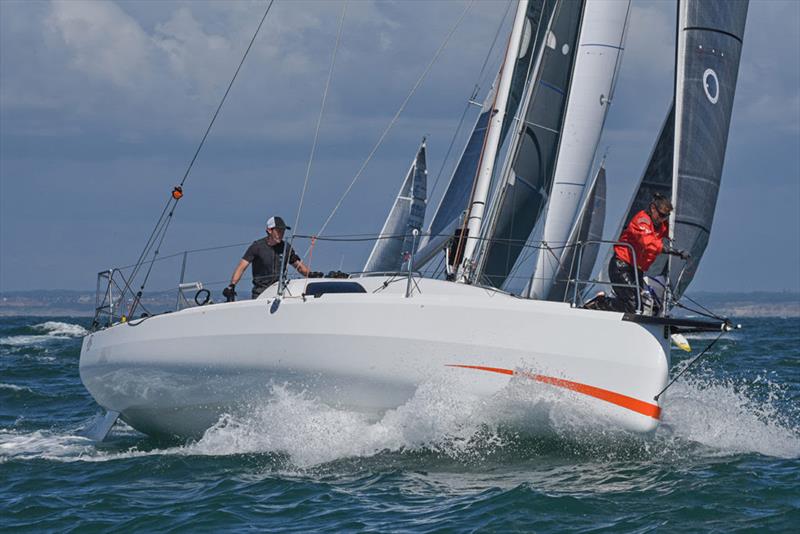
727, 456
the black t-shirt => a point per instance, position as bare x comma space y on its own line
265, 261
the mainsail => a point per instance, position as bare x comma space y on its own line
407, 214
527, 179
599, 54
687, 161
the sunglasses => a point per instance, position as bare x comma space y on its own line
661, 213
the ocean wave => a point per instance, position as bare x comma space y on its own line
732, 417
14, 387
52, 331
56, 328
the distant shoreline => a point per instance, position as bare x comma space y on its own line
76, 303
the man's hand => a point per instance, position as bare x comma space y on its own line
682, 254
229, 293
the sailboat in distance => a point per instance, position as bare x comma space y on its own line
366, 343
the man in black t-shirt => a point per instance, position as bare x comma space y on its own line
265, 257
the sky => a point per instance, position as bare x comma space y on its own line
102, 105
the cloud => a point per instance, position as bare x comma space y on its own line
105, 43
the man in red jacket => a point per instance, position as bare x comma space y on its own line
642, 238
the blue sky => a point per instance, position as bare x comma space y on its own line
103, 103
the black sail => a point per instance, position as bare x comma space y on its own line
687, 160
457, 195
709, 47
522, 197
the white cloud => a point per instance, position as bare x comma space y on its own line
104, 41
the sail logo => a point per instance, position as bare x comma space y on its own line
711, 85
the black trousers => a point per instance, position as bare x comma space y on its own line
620, 272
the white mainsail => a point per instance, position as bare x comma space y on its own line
600, 49
407, 214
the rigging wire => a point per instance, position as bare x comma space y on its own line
319, 119
396, 116
160, 230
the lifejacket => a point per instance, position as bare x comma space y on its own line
645, 240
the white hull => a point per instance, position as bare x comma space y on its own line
175, 374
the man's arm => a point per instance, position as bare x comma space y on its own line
301, 267
237, 273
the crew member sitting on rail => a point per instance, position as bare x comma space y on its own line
264, 255
644, 234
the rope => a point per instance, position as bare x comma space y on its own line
396, 116
688, 365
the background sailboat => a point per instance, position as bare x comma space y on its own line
407, 214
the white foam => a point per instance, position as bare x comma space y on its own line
56, 328
726, 417
311, 433
14, 387
53, 331
723, 417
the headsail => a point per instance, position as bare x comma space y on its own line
527, 177
687, 160
709, 47
599, 54
407, 214
587, 231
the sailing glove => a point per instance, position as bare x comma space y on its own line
682, 254
229, 293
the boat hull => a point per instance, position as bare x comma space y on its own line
176, 374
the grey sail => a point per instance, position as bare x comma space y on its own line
407, 214
709, 47
587, 231
456, 198
523, 191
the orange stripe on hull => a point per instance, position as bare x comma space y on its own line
636, 405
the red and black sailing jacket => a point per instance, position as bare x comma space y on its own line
644, 238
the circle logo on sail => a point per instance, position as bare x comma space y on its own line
711, 85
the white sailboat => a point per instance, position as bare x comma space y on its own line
368, 344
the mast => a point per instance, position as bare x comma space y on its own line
680, 53
477, 203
